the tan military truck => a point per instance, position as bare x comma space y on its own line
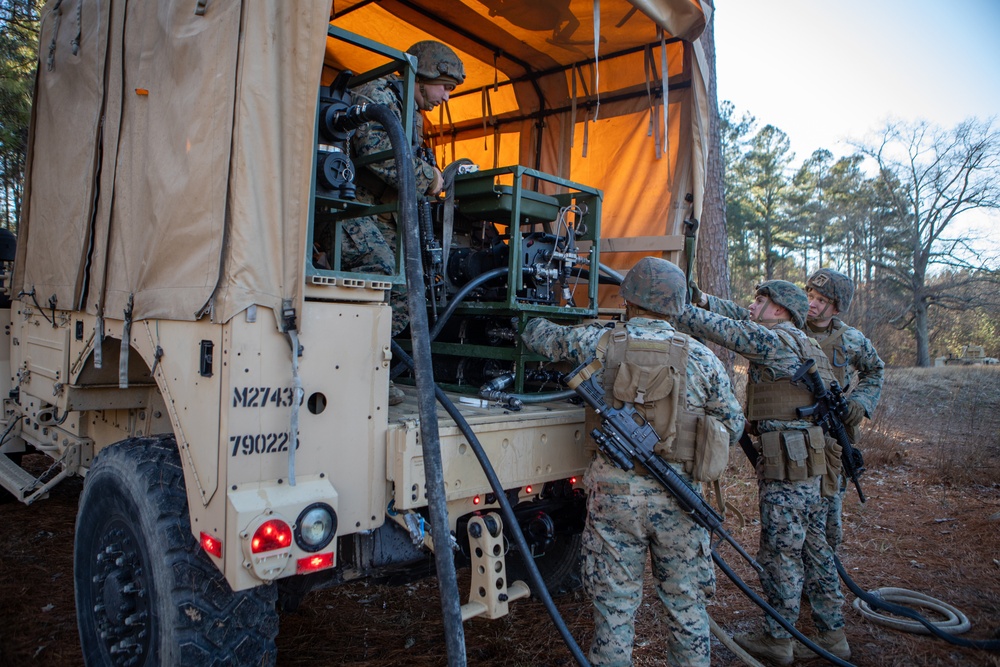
970, 355
173, 340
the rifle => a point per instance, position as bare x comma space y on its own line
625, 436
830, 409
433, 252
690, 247
747, 445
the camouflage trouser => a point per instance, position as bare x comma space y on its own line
627, 515
834, 517
794, 550
369, 246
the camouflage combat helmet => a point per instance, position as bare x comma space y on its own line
834, 285
437, 63
789, 296
657, 285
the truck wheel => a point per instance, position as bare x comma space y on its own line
146, 594
559, 565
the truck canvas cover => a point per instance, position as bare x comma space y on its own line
172, 145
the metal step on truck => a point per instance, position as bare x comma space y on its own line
174, 341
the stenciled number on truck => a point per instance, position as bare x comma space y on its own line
260, 397
259, 443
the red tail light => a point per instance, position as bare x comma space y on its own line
313, 563
273, 534
211, 545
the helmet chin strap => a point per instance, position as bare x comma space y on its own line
822, 315
423, 105
759, 319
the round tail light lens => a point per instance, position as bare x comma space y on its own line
315, 527
272, 535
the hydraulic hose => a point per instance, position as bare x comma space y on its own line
462, 293
452, 305
773, 613
614, 275
506, 511
906, 612
421, 363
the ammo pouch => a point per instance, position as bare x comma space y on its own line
711, 450
834, 465
794, 455
652, 375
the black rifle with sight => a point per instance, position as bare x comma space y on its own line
625, 436
829, 411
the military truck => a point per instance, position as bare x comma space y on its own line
173, 340
970, 355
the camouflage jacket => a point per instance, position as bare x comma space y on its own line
372, 138
708, 386
770, 354
856, 356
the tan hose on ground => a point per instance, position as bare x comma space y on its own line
728, 642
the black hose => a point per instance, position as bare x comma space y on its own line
614, 275
455, 302
430, 443
506, 511
545, 397
773, 613
578, 272
461, 294
900, 610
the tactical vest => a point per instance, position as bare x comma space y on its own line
652, 376
779, 399
793, 454
836, 354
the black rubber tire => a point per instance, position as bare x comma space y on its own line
559, 566
141, 579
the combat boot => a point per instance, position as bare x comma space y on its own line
763, 645
833, 641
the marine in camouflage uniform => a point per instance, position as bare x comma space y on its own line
856, 364
629, 512
793, 545
370, 242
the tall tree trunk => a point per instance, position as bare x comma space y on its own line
920, 333
712, 255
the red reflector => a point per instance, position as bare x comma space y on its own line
273, 534
313, 563
211, 545
572, 480
527, 489
476, 500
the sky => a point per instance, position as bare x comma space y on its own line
826, 71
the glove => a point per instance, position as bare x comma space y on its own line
697, 297
855, 414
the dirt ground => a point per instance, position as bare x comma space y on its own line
931, 524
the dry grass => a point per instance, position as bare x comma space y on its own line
955, 410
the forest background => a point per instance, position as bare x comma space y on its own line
888, 214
